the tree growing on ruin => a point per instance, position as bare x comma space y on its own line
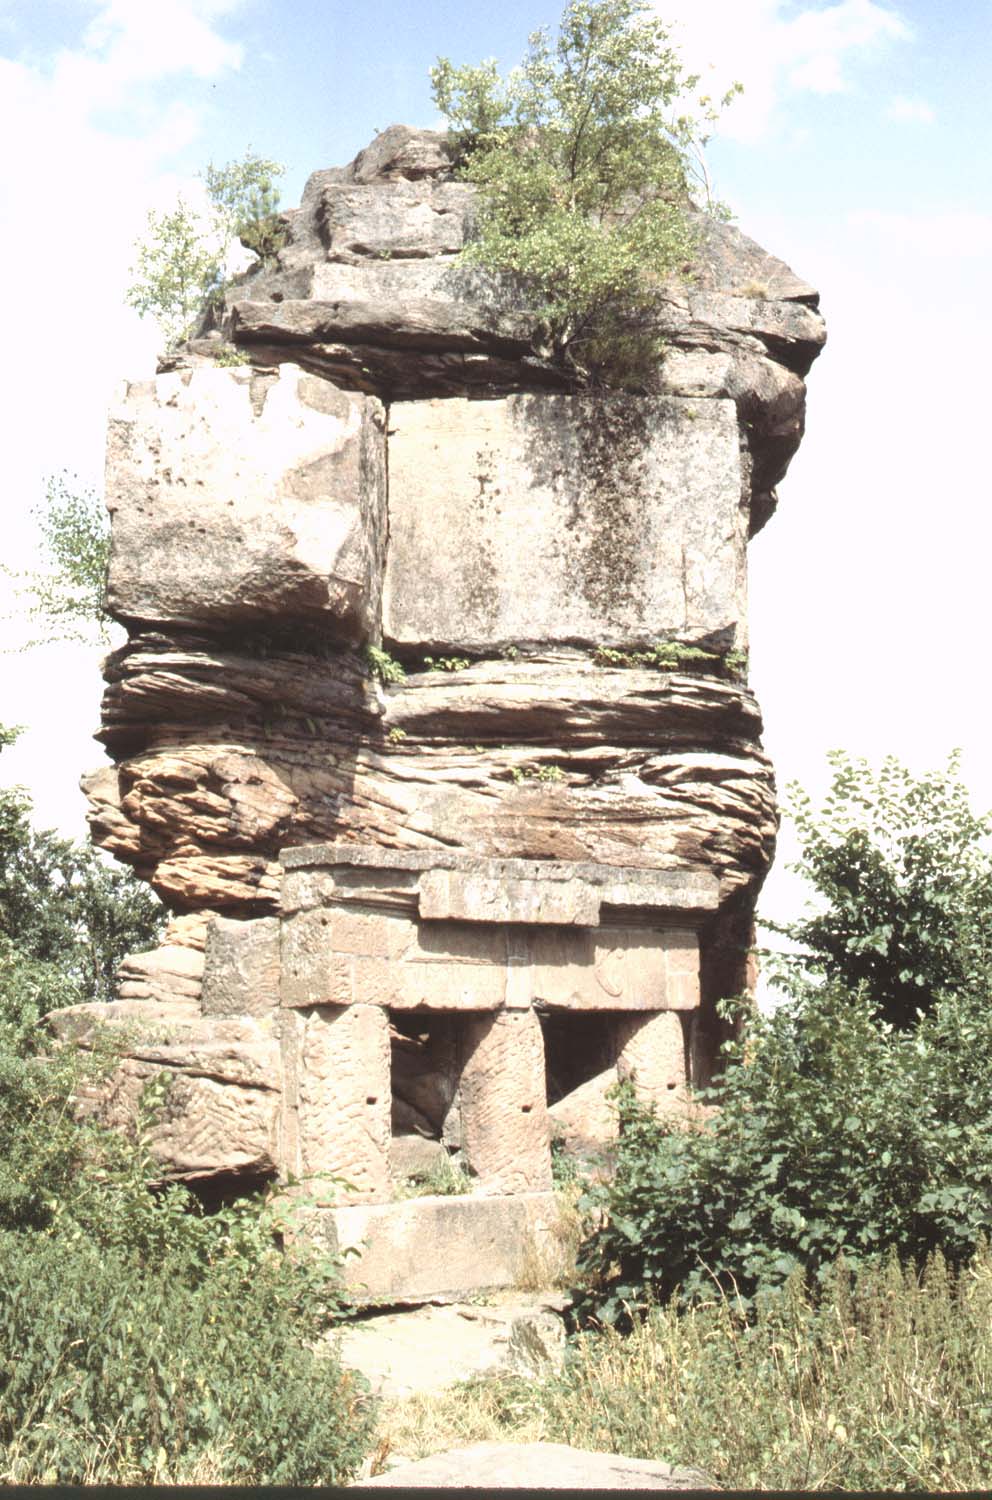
583, 159
181, 260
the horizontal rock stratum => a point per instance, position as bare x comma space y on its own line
432, 725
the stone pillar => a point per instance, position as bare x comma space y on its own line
343, 1101
651, 1051
504, 1115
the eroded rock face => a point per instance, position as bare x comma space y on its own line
396, 468
238, 497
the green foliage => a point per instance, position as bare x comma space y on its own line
231, 358
67, 918
445, 1179
903, 872
675, 656
180, 262
197, 1363
178, 268
545, 773
141, 1340
835, 1136
882, 1381
580, 158
246, 200
65, 597
384, 666
446, 663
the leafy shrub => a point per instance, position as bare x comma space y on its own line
113, 1367
141, 1339
835, 1136
902, 874
880, 1380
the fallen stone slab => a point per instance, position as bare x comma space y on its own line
539, 1466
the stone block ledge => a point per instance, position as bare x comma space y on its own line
470, 887
488, 1242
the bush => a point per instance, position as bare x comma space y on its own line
118, 1369
902, 874
140, 1338
880, 1381
835, 1136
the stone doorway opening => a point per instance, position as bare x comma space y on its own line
424, 1075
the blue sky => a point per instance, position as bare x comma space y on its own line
859, 153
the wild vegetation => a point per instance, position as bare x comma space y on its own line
583, 158
181, 261
141, 1340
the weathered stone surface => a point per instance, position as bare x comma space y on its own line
401, 220
660, 770
221, 1105
553, 828
432, 305
585, 1120
236, 496
352, 952
612, 969
338, 1092
171, 972
204, 1127
504, 1117
480, 897
242, 967
536, 1466
651, 1051
630, 508
415, 1156
486, 1243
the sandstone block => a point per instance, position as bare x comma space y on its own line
610, 968
406, 219
236, 496
585, 1120
485, 1242
504, 1117
484, 897
598, 521
343, 1097
171, 972
242, 963
651, 1050
414, 1156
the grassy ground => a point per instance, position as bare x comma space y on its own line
885, 1383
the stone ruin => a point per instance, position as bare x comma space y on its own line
437, 914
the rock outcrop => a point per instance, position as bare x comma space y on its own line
433, 698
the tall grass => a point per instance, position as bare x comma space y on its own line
882, 1381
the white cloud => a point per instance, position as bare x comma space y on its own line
775, 51
948, 234
910, 111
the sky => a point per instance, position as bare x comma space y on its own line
858, 153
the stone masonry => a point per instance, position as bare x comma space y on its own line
449, 845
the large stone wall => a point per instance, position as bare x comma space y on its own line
541, 820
